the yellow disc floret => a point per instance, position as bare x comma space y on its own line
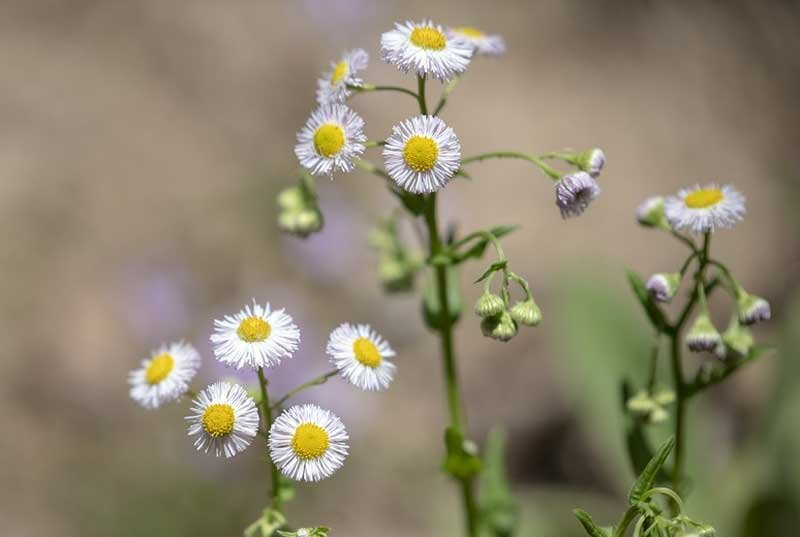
469, 31
338, 72
254, 329
159, 368
420, 153
428, 38
366, 352
218, 420
329, 139
703, 198
310, 441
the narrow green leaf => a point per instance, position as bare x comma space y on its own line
653, 311
648, 476
431, 311
499, 509
478, 248
592, 529
494, 267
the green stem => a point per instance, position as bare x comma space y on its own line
317, 381
627, 518
538, 161
372, 87
267, 416
423, 107
445, 94
684, 239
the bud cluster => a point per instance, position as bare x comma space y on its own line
299, 213
397, 264
498, 320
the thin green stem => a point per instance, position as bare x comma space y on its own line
365, 88
684, 239
317, 381
267, 416
664, 491
651, 381
423, 107
627, 518
375, 143
445, 94
538, 161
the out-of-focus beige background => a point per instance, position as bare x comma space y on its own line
141, 146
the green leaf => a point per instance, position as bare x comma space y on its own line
499, 509
431, 311
478, 248
458, 462
648, 476
494, 267
653, 311
588, 524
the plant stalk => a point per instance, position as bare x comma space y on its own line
267, 416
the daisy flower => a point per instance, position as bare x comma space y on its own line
359, 353
332, 87
703, 210
255, 337
574, 193
422, 154
224, 419
332, 137
165, 376
426, 49
490, 45
307, 443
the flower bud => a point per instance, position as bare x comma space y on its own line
591, 161
292, 199
752, 309
500, 327
574, 193
651, 213
737, 340
301, 222
702, 336
663, 286
396, 275
526, 313
489, 305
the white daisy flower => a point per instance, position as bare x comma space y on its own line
426, 49
422, 154
165, 376
255, 337
702, 210
359, 353
574, 193
307, 443
332, 87
224, 419
490, 45
332, 137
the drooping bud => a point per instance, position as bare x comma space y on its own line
752, 309
291, 199
302, 222
651, 213
737, 340
591, 161
526, 313
663, 285
489, 305
574, 193
702, 336
396, 274
500, 327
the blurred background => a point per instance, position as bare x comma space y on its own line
141, 147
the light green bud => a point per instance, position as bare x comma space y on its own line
489, 305
651, 213
526, 313
292, 198
500, 327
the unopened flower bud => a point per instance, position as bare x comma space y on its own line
292, 199
526, 313
489, 305
500, 327
651, 213
301, 222
703, 336
591, 161
574, 193
752, 309
737, 339
663, 286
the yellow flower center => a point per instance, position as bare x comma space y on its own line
420, 153
159, 368
703, 198
218, 420
366, 352
254, 329
338, 72
428, 38
328, 139
469, 31
310, 441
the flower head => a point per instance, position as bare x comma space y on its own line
422, 154
165, 376
526, 313
483, 43
702, 336
752, 309
651, 213
737, 340
489, 305
307, 443
255, 337
360, 354
574, 193
224, 419
330, 140
500, 327
332, 88
663, 286
426, 49
705, 209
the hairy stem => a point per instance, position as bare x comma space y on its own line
372, 87
322, 379
538, 161
267, 416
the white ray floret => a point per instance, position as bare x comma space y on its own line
574, 193
705, 209
360, 354
165, 376
332, 138
422, 154
483, 43
308, 443
332, 88
255, 337
426, 49
224, 419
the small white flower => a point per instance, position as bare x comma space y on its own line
422, 154
706, 209
426, 49
307, 443
165, 376
360, 354
255, 337
663, 286
332, 87
490, 45
332, 137
224, 419
574, 193
651, 213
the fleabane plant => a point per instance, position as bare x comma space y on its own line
417, 160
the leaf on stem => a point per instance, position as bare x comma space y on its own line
459, 462
476, 250
592, 529
648, 476
431, 309
499, 509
